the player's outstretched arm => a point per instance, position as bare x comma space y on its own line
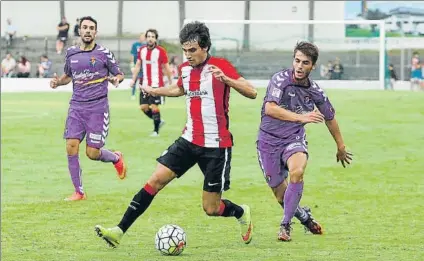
117, 79
334, 129
58, 81
137, 68
275, 111
240, 84
172, 90
168, 72
342, 155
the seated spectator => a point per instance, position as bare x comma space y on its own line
338, 70
326, 70
24, 68
8, 65
62, 37
10, 33
44, 68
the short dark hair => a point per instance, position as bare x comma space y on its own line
196, 31
89, 18
153, 31
308, 49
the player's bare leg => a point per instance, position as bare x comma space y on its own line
59, 46
140, 202
213, 205
72, 149
303, 214
104, 155
296, 165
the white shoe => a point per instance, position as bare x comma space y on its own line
133, 97
154, 134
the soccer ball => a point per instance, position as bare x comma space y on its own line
170, 240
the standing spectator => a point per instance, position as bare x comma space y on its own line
134, 56
10, 32
62, 37
24, 68
8, 65
76, 32
44, 67
393, 76
416, 71
338, 70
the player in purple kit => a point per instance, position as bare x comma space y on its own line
289, 104
88, 67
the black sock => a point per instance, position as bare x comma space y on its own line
138, 205
156, 120
148, 113
229, 209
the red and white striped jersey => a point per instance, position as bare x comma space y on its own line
207, 102
151, 64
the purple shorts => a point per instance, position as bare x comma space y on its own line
273, 160
94, 125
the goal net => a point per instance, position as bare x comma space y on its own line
261, 47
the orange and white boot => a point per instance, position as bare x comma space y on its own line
76, 196
120, 166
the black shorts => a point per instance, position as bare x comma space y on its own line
149, 99
63, 39
215, 163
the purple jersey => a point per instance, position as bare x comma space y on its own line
290, 96
89, 71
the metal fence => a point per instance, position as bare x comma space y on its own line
254, 63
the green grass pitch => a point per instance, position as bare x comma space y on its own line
372, 210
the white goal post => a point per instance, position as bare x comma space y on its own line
380, 23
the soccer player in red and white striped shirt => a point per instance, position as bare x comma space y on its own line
152, 58
206, 140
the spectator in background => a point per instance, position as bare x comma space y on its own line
24, 68
416, 72
134, 53
8, 65
76, 33
44, 68
173, 64
62, 37
326, 70
393, 76
338, 70
10, 33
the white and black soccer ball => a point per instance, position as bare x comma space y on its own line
170, 240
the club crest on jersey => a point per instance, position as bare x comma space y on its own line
268, 178
93, 61
307, 99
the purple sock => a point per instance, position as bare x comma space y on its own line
291, 200
76, 172
108, 156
